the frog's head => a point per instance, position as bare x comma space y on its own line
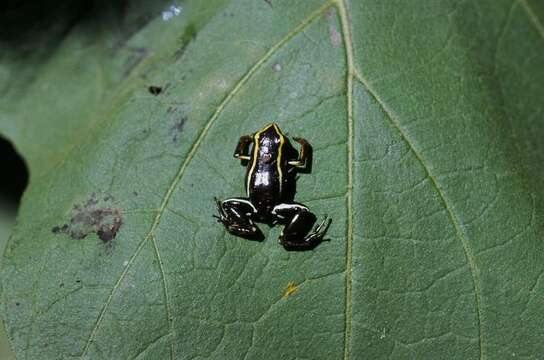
269, 140
271, 133
271, 128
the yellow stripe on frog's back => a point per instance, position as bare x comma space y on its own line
253, 160
256, 146
278, 162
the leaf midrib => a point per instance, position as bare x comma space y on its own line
405, 136
453, 218
348, 45
353, 73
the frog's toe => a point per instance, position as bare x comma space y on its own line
321, 229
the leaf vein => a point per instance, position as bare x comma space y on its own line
346, 34
532, 17
165, 290
460, 233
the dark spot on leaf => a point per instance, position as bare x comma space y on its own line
177, 128
78, 281
135, 193
96, 215
61, 284
107, 232
92, 201
154, 90
269, 2
59, 229
17, 304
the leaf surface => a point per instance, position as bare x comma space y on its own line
425, 124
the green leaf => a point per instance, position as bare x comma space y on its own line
7, 219
428, 156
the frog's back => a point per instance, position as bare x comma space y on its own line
265, 170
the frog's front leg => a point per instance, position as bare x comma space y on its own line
242, 149
298, 220
235, 214
303, 155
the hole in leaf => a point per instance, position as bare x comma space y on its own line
155, 90
14, 177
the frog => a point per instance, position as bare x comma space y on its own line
271, 164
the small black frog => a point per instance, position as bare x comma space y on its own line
271, 162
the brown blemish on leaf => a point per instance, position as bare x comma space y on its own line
96, 215
291, 288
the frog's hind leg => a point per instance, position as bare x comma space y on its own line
235, 214
298, 233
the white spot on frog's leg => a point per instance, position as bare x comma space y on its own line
243, 202
287, 207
